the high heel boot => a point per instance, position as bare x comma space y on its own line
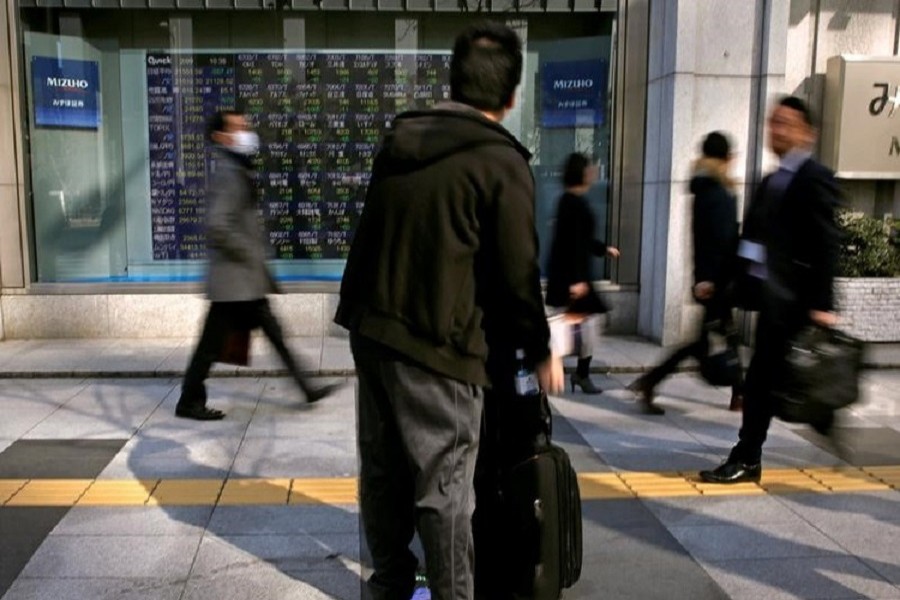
582, 377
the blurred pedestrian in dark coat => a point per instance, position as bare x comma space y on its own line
570, 273
238, 278
715, 229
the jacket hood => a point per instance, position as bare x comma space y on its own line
418, 138
708, 172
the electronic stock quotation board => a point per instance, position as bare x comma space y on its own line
320, 117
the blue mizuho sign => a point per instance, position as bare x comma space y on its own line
66, 92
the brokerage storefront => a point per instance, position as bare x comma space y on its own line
103, 167
113, 103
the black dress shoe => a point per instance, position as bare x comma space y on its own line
198, 412
732, 472
319, 393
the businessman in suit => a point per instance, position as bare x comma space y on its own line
790, 242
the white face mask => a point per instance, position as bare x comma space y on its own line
244, 142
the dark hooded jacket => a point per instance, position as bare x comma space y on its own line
444, 260
715, 227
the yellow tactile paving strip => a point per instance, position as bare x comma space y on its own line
343, 490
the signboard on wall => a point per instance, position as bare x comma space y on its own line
66, 92
573, 93
320, 116
861, 125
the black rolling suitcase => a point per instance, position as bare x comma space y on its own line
541, 515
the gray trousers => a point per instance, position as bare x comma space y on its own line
418, 439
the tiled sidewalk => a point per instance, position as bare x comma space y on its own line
328, 356
223, 526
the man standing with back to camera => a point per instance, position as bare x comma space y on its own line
790, 241
443, 265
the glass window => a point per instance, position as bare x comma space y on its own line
118, 101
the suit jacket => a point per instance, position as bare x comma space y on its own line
236, 247
571, 254
798, 229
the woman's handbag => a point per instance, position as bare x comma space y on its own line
720, 365
821, 375
571, 334
236, 348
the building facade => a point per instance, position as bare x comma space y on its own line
102, 161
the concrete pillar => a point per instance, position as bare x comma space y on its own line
12, 226
708, 62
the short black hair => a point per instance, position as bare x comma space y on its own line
716, 145
486, 66
216, 122
795, 103
573, 172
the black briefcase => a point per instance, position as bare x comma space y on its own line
541, 506
821, 375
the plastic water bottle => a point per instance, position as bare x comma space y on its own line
526, 380
421, 592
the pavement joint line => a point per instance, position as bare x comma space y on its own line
9, 488
344, 490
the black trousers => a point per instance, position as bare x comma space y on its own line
418, 435
765, 372
717, 310
221, 318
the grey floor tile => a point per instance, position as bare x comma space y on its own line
22, 531
758, 540
716, 437
342, 583
617, 514
877, 543
337, 359
39, 393
837, 578
164, 425
57, 459
80, 428
798, 457
11, 349
95, 589
298, 552
151, 468
297, 464
734, 510
638, 350
261, 580
165, 557
689, 461
296, 458
651, 438
295, 519
202, 451
294, 424
863, 446
17, 423
103, 410
134, 520
823, 509
639, 563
